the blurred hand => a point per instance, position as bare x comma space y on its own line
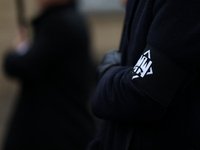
20, 36
20, 43
112, 58
124, 2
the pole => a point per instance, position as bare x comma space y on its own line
20, 13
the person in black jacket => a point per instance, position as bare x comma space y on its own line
148, 93
52, 110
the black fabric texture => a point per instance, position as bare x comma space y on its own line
171, 27
165, 76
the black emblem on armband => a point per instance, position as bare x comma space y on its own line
143, 66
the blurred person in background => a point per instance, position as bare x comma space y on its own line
52, 110
124, 2
148, 91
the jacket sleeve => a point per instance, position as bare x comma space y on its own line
174, 32
44, 53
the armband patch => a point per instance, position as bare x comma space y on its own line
158, 76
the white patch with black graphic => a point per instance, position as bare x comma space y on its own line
143, 66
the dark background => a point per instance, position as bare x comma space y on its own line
105, 29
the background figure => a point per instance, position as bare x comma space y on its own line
52, 111
124, 2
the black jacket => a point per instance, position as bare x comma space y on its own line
152, 100
52, 110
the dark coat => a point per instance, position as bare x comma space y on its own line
52, 110
133, 118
